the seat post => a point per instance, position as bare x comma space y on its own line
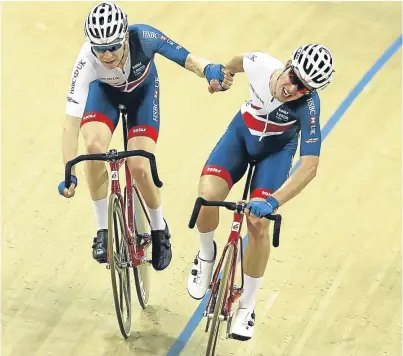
248, 180
123, 112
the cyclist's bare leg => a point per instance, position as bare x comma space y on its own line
258, 246
211, 188
97, 137
255, 260
141, 172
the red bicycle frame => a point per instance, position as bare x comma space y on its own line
136, 250
233, 240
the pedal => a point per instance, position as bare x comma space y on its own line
124, 265
146, 235
236, 293
143, 239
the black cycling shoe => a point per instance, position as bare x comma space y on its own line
100, 246
161, 250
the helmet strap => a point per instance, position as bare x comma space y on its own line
275, 85
123, 55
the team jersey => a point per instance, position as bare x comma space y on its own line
144, 42
273, 120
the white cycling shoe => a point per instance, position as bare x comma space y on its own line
200, 276
243, 324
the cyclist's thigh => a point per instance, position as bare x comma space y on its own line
143, 111
272, 171
101, 113
229, 158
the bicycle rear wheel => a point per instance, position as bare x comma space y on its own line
119, 263
219, 304
142, 275
143, 242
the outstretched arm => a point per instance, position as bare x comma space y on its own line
205, 69
71, 130
196, 64
235, 65
154, 41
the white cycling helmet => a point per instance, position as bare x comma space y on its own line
314, 63
105, 24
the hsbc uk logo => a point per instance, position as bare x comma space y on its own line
312, 113
169, 41
80, 66
149, 34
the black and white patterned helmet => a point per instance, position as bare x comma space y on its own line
314, 63
105, 24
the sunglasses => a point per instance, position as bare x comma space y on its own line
110, 48
296, 81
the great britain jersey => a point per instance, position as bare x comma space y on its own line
273, 120
144, 42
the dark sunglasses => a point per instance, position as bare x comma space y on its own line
296, 81
110, 48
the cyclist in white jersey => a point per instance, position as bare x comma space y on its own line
283, 109
116, 66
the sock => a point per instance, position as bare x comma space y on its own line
157, 219
250, 288
206, 245
101, 213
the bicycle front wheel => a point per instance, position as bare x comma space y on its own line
119, 263
219, 304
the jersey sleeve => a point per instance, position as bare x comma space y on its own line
311, 138
82, 75
154, 41
259, 64
253, 64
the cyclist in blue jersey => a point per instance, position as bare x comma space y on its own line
116, 66
283, 109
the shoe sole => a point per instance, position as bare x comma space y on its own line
195, 297
103, 260
240, 337
161, 269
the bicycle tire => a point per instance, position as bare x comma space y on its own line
142, 272
215, 323
119, 261
142, 280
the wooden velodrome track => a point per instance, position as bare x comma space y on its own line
334, 285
